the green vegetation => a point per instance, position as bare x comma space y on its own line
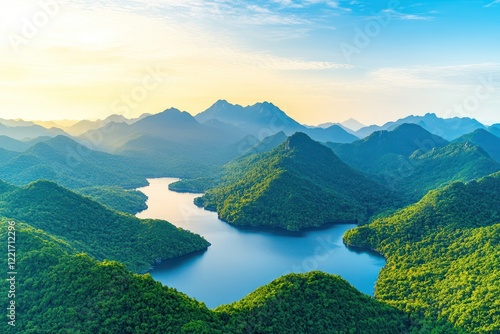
71, 165
196, 186
312, 303
443, 255
484, 139
299, 184
63, 291
94, 229
414, 161
117, 198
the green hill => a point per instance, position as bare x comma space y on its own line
117, 198
312, 303
72, 165
299, 184
443, 255
61, 291
373, 153
484, 139
94, 229
414, 161
99, 175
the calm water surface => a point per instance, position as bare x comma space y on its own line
241, 260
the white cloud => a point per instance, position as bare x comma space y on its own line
492, 3
403, 16
436, 76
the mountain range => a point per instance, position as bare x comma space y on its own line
298, 184
414, 161
264, 119
80, 256
448, 128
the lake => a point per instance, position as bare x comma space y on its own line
241, 260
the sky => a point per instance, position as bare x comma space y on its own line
318, 60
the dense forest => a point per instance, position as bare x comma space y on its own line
117, 198
413, 161
69, 292
82, 254
299, 184
443, 255
95, 229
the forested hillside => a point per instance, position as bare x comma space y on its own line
69, 292
299, 184
94, 229
413, 161
443, 255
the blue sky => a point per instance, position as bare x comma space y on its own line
318, 60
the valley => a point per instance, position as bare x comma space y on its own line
263, 235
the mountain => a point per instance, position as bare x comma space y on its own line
171, 143
265, 119
255, 119
495, 129
29, 132
443, 255
172, 125
16, 122
65, 291
84, 126
353, 124
299, 184
248, 146
372, 153
89, 227
484, 139
71, 292
414, 161
304, 303
61, 124
12, 144
73, 165
334, 133
268, 143
448, 128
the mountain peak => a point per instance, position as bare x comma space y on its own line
352, 124
298, 140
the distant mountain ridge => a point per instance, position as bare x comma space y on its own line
414, 161
484, 139
265, 119
448, 128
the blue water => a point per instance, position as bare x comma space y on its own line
240, 260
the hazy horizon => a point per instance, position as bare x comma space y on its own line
75, 120
320, 61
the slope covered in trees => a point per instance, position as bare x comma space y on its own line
299, 184
72, 165
484, 139
63, 291
117, 198
312, 303
443, 255
414, 161
94, 229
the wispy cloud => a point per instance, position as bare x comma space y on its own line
419, 76
404, 16
493, 3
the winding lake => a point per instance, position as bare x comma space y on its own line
240, 260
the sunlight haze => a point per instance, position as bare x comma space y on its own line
319, 61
